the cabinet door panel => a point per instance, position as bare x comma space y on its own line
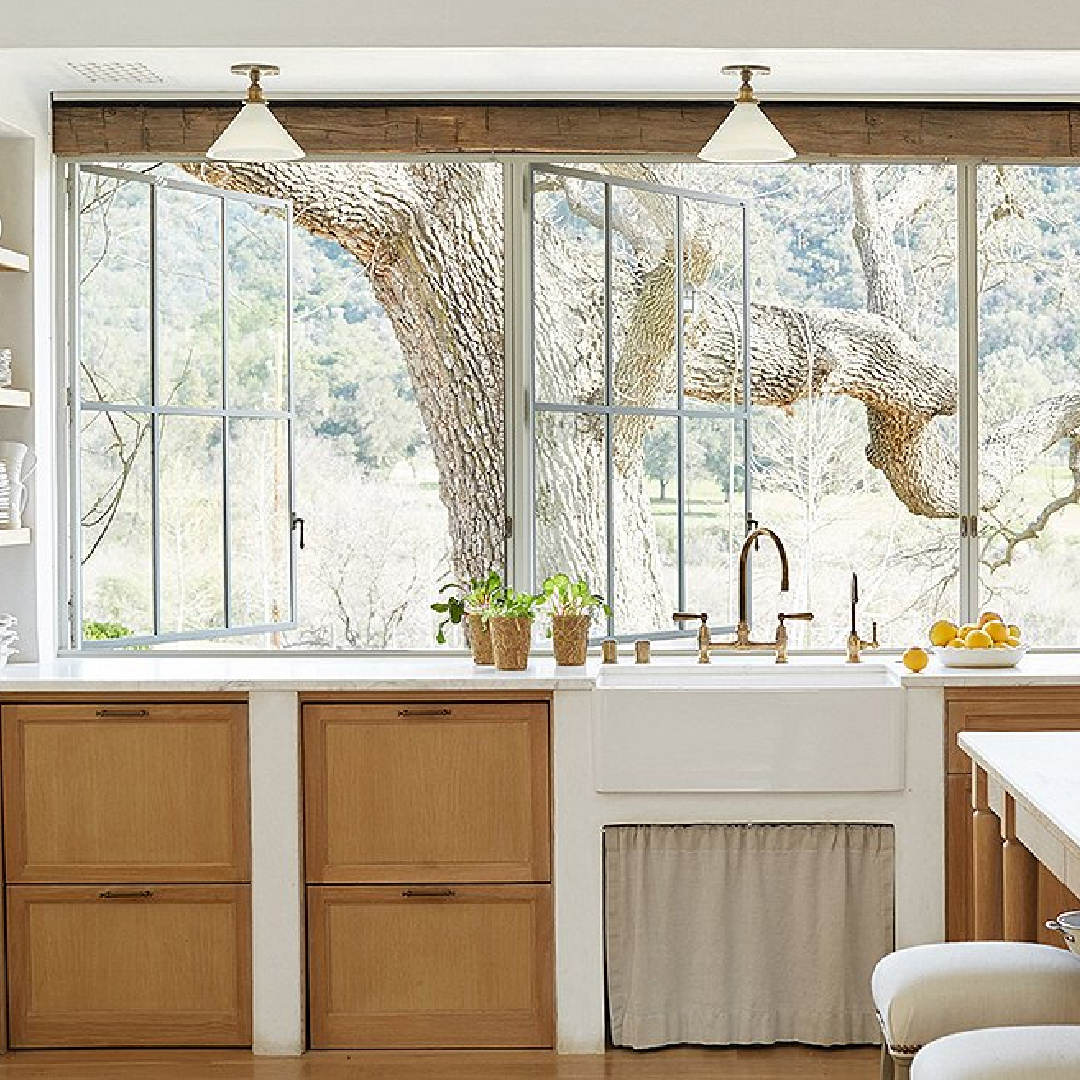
427, 793
112, 793
129, 966
463, 967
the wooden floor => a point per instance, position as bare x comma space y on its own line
678, 1063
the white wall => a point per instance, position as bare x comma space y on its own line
833, 24
27, 574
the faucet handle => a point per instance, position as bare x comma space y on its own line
681, 616
804, 616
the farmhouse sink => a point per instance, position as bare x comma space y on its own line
807, 726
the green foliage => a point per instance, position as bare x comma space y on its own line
565, 597
508, 603
105, 631
477, 597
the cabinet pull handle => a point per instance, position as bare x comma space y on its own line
425, 712
409, 894
126, 894
120, 713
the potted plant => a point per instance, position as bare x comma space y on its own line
511, 619
470, 604
571, 605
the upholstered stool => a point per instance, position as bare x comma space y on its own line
1047, 1052
929, 991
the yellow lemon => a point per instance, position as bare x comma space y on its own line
978, 639
957, 643
966, 629
1012, 641
997, 630
1014, 631
942, 632
915, 659
989, 616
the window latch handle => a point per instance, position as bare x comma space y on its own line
298, 523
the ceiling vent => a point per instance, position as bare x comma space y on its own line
118, 72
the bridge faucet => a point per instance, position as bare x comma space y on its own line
706, 646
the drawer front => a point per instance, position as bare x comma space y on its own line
108, 793
427, 793
1005, 709
129, 965
463, 966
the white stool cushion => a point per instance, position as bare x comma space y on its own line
929, 991
1008, 1053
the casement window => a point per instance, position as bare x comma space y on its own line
181, 411
623, 273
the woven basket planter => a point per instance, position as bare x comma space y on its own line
511, 639
570, 638
478, 632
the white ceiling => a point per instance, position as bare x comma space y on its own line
835, 74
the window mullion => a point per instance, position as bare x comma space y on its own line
519, 363
747, 444
680, 423
226, 517
155, 419
968, 344
609, 420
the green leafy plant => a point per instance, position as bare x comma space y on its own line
476, 597
565, 597
511, 604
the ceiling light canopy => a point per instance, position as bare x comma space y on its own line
255, 134
747, 135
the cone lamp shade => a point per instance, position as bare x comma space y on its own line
747, 135
255, 134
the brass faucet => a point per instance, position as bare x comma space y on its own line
742, 642
855, 643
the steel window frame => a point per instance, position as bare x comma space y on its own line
609, 410
156, 412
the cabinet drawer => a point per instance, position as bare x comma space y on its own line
129, 965
108, 793
427, 792
1007, 709
462, 966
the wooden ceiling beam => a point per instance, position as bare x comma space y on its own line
885, 131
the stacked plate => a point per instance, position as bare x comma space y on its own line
5, 497
9, 635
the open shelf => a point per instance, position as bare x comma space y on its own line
14, 537
14, 399
14, 260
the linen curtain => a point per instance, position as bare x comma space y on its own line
736, 934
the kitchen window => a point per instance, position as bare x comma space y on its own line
538, 366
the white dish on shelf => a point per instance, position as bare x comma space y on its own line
979, 658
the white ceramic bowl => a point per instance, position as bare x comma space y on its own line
981, 658
1068, 925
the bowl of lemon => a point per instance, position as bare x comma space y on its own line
989, 642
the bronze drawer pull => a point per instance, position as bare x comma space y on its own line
122, 713
410, 894
425, 712
126, 894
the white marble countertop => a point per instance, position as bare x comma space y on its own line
1035, 669
1040, 769
118, 674
144, 672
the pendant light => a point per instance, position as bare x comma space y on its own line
747, 135
255, 134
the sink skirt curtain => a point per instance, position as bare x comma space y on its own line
737, 934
